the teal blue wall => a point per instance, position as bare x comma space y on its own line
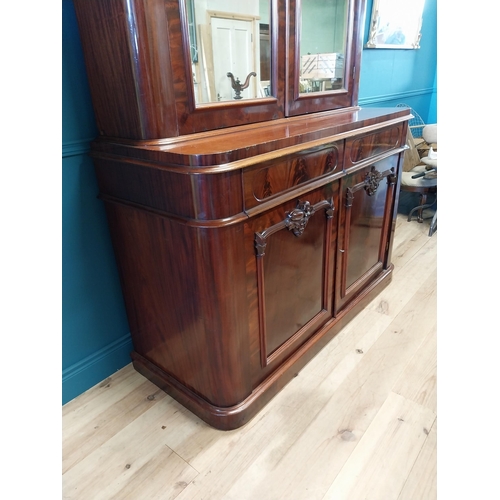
392, 76
95, 335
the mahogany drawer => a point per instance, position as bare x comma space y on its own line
370, 145
267, 180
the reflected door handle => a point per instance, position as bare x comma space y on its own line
238, 87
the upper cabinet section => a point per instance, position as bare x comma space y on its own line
165, 68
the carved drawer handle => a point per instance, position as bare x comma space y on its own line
372, 180
295, 221
374, 177
370, 183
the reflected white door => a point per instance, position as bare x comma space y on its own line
233, 52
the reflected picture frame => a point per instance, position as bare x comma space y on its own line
395, 24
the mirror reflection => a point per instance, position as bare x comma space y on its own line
322, 45
230, 49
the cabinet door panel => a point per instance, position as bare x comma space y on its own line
366, 210
290, 261
293, 262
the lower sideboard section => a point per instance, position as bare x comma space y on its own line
232, 417
234, 283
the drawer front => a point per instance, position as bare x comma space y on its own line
267, 180
370, 145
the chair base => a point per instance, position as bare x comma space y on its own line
420, 208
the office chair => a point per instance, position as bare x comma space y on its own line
422, 177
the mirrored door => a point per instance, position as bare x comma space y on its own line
324, 51
234, 62
231, 50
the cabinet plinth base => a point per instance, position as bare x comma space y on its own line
228, 418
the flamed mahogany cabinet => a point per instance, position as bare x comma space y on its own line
251, 202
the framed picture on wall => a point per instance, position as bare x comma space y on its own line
395, 24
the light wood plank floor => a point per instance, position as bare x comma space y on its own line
358, 422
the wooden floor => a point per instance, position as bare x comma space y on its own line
358, 422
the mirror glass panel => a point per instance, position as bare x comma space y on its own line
230, 47
323, 27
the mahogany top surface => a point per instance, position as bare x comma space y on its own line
237, 145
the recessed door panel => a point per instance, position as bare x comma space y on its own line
293, 277
294, 248
366, 207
